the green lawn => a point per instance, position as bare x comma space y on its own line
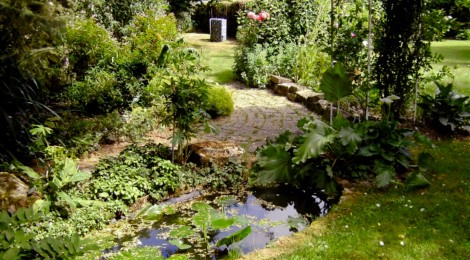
217, 56
457, 56
432, 223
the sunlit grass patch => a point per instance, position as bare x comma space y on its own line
218, 56
457, 56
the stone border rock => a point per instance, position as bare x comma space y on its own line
313, 101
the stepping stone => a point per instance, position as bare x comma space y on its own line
280, 80
284, 88
306, 96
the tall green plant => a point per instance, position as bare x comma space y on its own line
336, 85
61, 171
403, 53
185, 94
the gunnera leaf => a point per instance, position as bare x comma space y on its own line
274, 164
335, 83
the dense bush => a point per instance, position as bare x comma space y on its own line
115, 15
458, 11
219, 102
277, 45
322, 153
30, 30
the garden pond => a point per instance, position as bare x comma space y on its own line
210, 225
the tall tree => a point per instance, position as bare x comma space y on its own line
402, 51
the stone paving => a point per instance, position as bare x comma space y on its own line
259, 115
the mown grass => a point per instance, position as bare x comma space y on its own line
457, 57
217, 56
424, 224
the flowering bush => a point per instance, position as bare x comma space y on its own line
291, 21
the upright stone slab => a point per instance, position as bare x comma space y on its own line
218, 29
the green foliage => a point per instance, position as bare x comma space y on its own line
16, 244
447, 110
463, 34
97, 93
312, 62
457, 12
335, 83
253, 66
82, 134
30, 30
322, 152
134, 173
88, 45
185, 94
228, 176
155, 212
139, 253
235, 237
403, 53
208, 221
62, 171
291, 43
147, 34
115, 15
219, 102
139, 121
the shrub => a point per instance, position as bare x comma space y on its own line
88, 45
447, 110
322, 152
463, 34
98, 93
219, 102
252, 65
311, 63
139, 121
281, 44
148, 33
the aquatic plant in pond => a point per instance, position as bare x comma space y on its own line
215, 224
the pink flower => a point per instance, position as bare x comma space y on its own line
353, 35
259, 18
251, 15
264, 15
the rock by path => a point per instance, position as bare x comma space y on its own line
259, 115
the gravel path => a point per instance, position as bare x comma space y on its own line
258, 115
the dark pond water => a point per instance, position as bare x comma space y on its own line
272, 213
